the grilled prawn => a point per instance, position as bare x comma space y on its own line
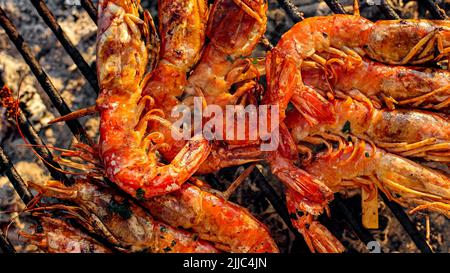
128, 152
360, 164
337, 73
282, 80
396, 42
233, 30
306, 195
102, 210
406, 132
393, 86
231, 227
182, 35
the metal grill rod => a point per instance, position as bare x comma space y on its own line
42, 77
335, 6
90, 9
388, 10
363, 234
87, 4
41, 149
277, 202
435, 10
5, 244
407, 224
7, 168
292, 11
80, 62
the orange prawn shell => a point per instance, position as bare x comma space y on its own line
322, 32
214, 219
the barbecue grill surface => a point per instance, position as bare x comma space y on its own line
68, 60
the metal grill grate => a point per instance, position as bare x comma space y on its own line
7, 168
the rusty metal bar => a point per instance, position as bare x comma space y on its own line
274, 199
277, 202
265, 43
435, 10
407, 224
7, 168
39, 147
335, 6
5, 244
386, 8
90, 9
80, 62
41, 76
350, 217
292, 11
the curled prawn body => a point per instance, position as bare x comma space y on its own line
282, 82
234, 30
337, 72
182, 32
408, 41
182, 35
403, 181
323, 34
385, 84
306, 195
123, 223
120, 29
328, 44
407, 132
231, 227
129, 160
59, 237
394, 42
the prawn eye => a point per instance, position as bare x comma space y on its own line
140, 194
293, 216
346, 129
39, 229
